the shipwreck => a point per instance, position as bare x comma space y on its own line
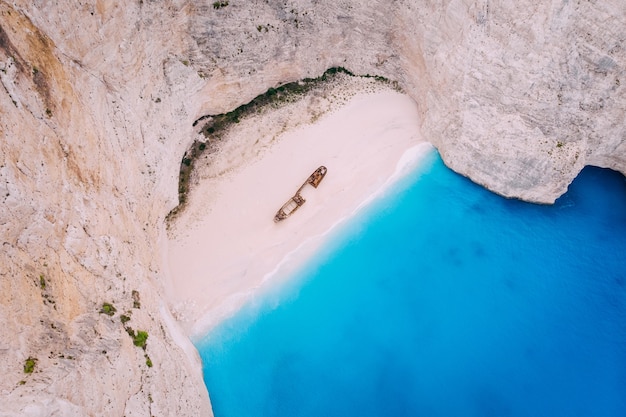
297, 200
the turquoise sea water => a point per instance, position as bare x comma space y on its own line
442, 299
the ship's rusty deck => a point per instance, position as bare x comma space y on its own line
297, 200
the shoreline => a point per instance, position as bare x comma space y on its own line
225, 248
298, 258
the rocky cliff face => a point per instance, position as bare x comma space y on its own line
97, 105
516, 95
89, 155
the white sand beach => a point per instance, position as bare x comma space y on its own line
225, 246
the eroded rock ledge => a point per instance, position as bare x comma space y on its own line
98, 103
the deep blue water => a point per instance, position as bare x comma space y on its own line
442, 299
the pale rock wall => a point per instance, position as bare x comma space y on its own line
97, 104
517, 95
529, 93
91, 134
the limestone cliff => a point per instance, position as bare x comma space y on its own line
89, 149
517, 95
97, 104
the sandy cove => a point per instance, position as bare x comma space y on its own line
225, 246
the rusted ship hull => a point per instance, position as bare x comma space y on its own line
297, 200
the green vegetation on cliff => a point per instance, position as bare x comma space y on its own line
216, 125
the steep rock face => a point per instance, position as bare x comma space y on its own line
516, 95
83, 135
532, 94
97, 105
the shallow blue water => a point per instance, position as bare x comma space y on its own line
442, 299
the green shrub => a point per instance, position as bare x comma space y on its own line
42, 282
29, 365
108, 309
124, 318
148, 361
140, 339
